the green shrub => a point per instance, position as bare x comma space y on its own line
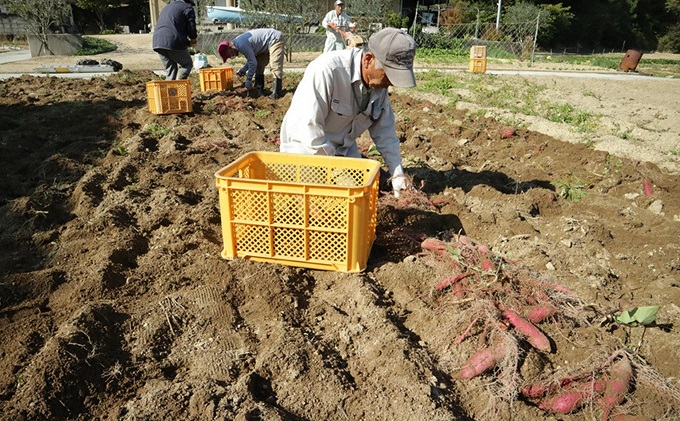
442, 41
93, 46
670, 43
395, 20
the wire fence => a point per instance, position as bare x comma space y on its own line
207, 42
509, 41
580, 51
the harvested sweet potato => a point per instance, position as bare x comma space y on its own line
620, 376
450, 281
480, 362
538, 313
647, 188
508, 132
573, 399
564, 403
534, 336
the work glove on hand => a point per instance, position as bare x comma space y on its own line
400, 182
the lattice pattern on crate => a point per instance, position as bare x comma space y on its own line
218, 79
346, 177
244, 173
328, 246
288, 209
169, 96
328, 212
328, 224
289, 242
252, 238
175, 97
250, 206
313, 175
372, 205
281, 172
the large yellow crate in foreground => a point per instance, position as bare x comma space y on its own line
216, 78
169, 96
309, 211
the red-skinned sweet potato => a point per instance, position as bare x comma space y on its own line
620, 376
574, 398
538, 313
534, 336
480, 362
564, 403
451, 280
647, 188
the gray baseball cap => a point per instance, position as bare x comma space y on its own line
396, 50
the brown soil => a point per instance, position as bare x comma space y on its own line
116, 304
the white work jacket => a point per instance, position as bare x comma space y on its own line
325, 118
334, 40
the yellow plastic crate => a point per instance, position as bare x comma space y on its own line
478, 52
309, 211
478, 66
216, 79
169, 96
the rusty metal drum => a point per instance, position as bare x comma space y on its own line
630, 61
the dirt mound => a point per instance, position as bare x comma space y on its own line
115, 303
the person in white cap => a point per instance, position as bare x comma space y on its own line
344, 93
337, 25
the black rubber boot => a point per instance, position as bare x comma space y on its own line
276, 90
259, 81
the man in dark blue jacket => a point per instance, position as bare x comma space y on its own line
175, 31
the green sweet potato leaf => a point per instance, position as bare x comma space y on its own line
644, 316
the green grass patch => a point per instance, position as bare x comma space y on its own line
517, 96
572, 190
93, 46
157, 130
439, 82
566, 113
442, 56
655, 67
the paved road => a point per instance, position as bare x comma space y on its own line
20, 55
591, 75
14, 55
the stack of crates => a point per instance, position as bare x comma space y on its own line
216, 79
310, 211
169, 96
478, 58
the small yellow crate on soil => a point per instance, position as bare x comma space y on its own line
169, 96
478, 66
478, 52
309, 211
216, 79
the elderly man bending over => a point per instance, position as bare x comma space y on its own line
344, 93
